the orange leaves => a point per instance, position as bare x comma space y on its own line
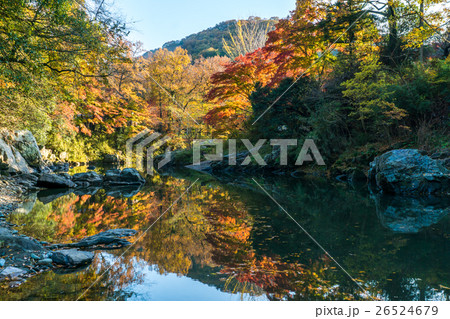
231, 88
103, 104
290, 49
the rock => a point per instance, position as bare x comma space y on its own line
26, 144
112, 175
110, 159
129, 176
91, 167
21, 163
60, 167
65, 175
63, 156
19, 243
27, 180
2, 262
408, 171
72, 257
12, 272
43, 170
443, 158
45, 262
35, 257
45, 154
11, 159
54, 181
90, 177
110, 238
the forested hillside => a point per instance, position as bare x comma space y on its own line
357, 77
209, 42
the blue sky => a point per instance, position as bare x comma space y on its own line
158, 21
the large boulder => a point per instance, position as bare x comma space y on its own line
92, 178
26, 144
54, 181
128, 176
72, 258
11, 161
409, 172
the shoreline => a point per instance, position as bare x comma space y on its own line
22, 257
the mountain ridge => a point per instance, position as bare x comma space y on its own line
208, 42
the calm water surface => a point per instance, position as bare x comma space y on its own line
227, 240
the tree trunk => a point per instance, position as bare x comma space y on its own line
393, 45
422, 12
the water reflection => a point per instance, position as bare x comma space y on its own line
228, 240
408, 214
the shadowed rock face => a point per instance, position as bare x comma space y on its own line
54, 181
404, 214
408, 172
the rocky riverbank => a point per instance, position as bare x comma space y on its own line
22, 257
399, 171
22, 170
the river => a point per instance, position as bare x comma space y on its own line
226, 239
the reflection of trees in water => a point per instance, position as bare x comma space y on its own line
251, 245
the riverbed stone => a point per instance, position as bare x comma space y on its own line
12, 272
72, 257
45, 262
18, 243
59, 167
